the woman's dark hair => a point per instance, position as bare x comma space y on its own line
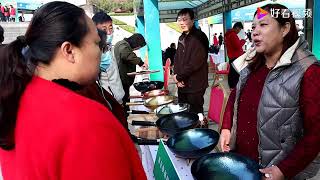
136, 40
288, 40
1, 34
51, 25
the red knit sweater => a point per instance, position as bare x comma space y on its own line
247, 138
61, 135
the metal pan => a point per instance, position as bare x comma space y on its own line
225, 166
172, 108
154, 102
172, 123
193, 143
152, 93
166, 109
145, 86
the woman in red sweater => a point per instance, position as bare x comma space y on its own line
47, 131
273, 115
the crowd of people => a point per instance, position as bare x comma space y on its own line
7, 13
217, 43
64, 89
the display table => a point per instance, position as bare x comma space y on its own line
149, 152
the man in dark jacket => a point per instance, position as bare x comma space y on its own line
191, 67
127, 60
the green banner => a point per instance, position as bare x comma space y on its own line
163, 167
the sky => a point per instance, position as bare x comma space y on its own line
76, 2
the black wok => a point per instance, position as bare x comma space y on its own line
145, 86
193, 143
225, 166
173, 123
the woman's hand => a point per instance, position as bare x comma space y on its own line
225, 137
272, 172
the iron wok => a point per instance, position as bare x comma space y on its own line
193, 143
172, 123
145, 86
225, 166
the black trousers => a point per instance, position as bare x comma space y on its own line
233, 76
194, 99
126, 98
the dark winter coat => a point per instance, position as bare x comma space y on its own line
190, 63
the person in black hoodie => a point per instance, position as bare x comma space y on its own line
220, 39
170, 53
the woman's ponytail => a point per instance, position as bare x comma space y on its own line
14, 77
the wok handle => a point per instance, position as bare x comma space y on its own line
143, 123
145, 79
131, 97
139, 112
141, 141
134, 103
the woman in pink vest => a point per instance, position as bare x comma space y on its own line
12, 13
6, 14
1, 13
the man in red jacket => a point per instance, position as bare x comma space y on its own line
234, 50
